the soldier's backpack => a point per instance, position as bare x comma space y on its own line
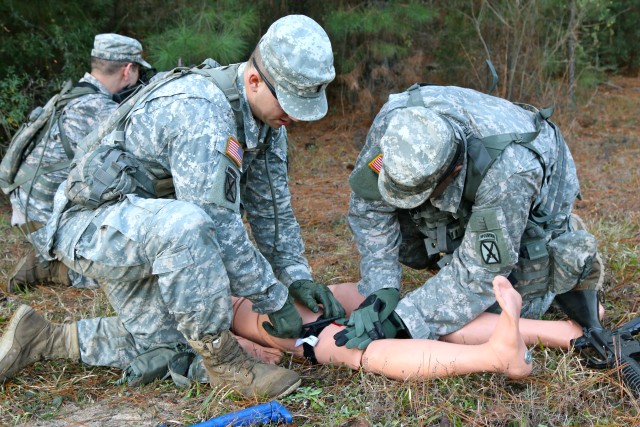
106, 173
13, 172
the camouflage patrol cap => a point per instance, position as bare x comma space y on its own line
114, 47
418, 148
297, 54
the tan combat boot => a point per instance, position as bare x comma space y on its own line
29, 338
32, 271
227, 364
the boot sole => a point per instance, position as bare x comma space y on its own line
292, 388
6, 343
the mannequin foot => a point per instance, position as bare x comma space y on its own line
512, 356
575, 332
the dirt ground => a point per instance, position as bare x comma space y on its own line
604, 137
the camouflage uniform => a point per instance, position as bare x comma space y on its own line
169, 267
79, 117
472, 242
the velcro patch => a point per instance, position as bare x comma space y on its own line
376, 164
486, 229
230, 187
489, 248
234, 151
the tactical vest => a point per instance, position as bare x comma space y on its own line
106, 173
444, 231
14, 172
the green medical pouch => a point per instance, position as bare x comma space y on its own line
150, 366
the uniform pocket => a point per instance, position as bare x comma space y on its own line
172, 261
572, 255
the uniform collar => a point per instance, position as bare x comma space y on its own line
88, 78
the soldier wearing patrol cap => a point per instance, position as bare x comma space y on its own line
115, 62
169, 267
118, 48
473, 186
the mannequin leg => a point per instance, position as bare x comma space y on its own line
248, 324
401, 359
264, 354
348, 295
555, 334
503, 353
550, 333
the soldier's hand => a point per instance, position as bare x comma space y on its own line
285, 323
310, 294
366, 321
389, 328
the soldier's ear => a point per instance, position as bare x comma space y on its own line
127, 70
253, 80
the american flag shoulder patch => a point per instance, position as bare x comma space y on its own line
234, 151
376, 163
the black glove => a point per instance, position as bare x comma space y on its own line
285, 323
310, 293
366, 321
373, 310
389, 328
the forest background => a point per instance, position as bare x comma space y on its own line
379, 46
580, 55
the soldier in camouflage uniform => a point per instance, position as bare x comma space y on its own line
474, 186
115, 62
169, 267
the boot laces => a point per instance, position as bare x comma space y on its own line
230, 353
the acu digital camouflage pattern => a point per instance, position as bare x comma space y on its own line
493, 245
297, 54
115, 47
417, 148
170, 266
80, 116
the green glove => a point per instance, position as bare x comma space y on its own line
389, 329
366, 320
310, 294
285, 323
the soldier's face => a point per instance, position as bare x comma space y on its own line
264, 105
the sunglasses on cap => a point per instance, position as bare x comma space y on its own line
264, 79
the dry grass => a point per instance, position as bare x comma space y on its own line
604, 137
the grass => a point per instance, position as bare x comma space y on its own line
561, 391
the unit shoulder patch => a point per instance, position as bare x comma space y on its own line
487, 230
230, 185
489, 248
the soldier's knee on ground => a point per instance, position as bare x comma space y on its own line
32, 271
594, 279
581, 303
